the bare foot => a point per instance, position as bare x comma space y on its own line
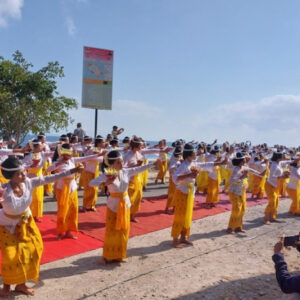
5, 291
239, 230
22, 288
37, 220
69, 235
275, 221
185, 241
267, 222
176, 244
229, 230
59, 237
102, 261
133, 219
121, 260
207, 205
92, 209
82, 209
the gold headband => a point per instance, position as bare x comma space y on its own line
66, 151
36, 156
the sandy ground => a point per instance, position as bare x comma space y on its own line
218, 266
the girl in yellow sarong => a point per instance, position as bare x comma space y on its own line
162, 163
237, 192
90, 194
271, 186
134, 158
118, 206
260, 165
21, 241
184, 178
293, 189
34, 164
214, 179
175, 161
202, 178
66, 192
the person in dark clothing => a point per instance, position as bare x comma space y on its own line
288, 283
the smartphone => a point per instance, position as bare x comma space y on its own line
290, 240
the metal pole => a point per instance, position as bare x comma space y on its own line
96, 121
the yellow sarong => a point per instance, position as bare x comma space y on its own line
145, 175
227, 178
213, 188
135, 192
90, 194
282, 186
294, 194
202, 181
67, 208
183, 214
239, 205
48, 188
115, 241
162, 168
272, 194
171, 191
37, 203
258, 185
21, 251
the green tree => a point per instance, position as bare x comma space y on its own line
29, 101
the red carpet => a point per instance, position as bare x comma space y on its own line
92, 225
151, 218
54, 250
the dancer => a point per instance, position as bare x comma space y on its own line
214, 179
293, 189
90, 194
21, 241
162, 163
184, 178
66, 192
175, 161
116, 177
271, 186
34, 163
134, 158
237, 192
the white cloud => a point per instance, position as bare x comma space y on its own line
272, 120
70, 26
10, 9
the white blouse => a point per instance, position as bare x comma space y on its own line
294, 178
70, 164
120, 185
91, 165
276, 170
131, 158
184, 169
236, 184
13, 205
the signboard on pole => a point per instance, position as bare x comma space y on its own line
97, 78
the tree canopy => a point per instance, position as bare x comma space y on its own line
29, 101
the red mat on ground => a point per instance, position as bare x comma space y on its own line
54, 250
92, 225
151, 217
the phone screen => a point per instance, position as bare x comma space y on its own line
290, 240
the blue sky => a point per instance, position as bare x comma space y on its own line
192, 69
